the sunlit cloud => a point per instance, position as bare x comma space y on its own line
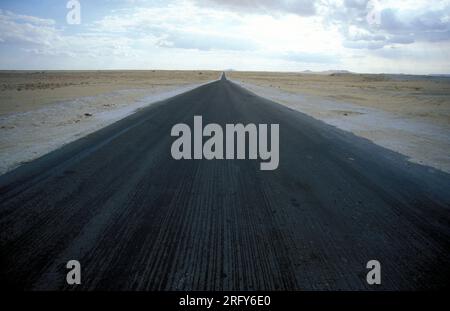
284, 35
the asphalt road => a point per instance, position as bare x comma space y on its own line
136, 219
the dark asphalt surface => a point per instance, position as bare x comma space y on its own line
138, 220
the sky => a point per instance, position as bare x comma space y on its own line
376, 36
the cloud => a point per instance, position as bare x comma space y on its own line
22, 29
10, 16
205, 41
181, 26
400, 22
311, 58
427, 25
42, 37
271, 7
262, 34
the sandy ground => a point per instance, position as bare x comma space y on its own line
42, 111
407, 114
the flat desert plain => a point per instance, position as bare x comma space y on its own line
405, 113
22, 91
41, 111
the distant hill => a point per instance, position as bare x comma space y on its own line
327, 72
446, 75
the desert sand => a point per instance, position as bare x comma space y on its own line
42, 111
407, 114
22, 91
